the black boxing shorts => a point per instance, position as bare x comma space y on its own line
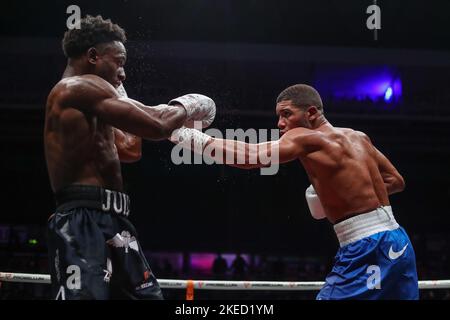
93, 248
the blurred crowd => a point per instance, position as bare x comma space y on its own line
433, 266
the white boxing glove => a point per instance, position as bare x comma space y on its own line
314, 204
198, 108
190, 138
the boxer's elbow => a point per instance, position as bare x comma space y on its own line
396, 184
400, 183
129, 147
130, 157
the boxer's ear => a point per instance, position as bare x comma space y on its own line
312, 112
92, 55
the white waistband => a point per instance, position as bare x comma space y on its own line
365, 224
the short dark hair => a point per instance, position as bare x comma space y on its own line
302, 96
93, 30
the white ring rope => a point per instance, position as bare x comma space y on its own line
219, 285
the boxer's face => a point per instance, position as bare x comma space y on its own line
110, 61
290, 116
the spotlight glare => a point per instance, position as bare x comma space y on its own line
388, 94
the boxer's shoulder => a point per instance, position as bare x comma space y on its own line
301, 132
305, 136
81, 88
86, 83
353, 132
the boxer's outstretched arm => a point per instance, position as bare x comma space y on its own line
129, 146
249, 156
92, 94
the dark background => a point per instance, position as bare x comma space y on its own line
242, 54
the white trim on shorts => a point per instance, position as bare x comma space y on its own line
365, 225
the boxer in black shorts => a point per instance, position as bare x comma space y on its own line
90, 127
85, 217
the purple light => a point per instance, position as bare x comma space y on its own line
358, 82
397, 87
203, 262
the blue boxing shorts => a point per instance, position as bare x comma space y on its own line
376, 260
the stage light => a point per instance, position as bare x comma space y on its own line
388, 94
359, 83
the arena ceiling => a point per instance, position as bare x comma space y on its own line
404, 24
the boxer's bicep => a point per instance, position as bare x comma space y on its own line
124, 115
288, 149
292, 146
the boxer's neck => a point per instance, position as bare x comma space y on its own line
319, 122
76, 67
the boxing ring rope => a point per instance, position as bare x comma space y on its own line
219, 284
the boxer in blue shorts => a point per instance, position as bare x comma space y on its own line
351, 181
91, 126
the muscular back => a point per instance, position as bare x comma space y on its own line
79, 148
344, 170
